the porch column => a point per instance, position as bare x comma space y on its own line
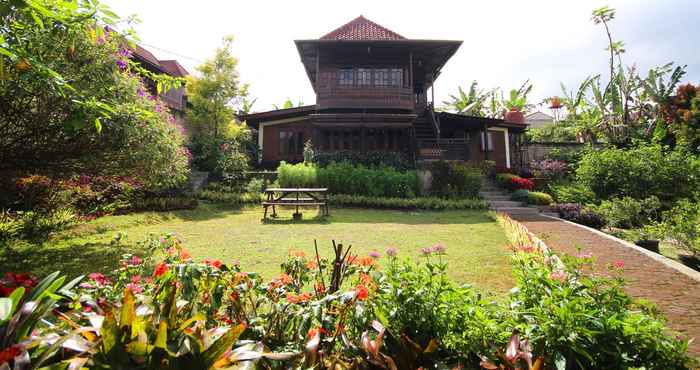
485, 141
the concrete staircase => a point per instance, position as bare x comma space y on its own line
499, 200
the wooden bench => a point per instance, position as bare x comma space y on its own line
296, 197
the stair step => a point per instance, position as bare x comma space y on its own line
504, 203
490, 193
518, 210
496, 198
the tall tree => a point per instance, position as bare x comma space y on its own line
214, 94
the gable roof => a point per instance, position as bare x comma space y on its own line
145, 55
173, 68
362, 28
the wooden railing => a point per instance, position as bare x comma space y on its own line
448, 149
365, 97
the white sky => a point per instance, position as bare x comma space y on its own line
505, 42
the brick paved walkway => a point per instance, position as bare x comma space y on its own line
676, 294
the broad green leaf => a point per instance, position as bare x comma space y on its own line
16, 297
162, 337
38, 291
128, 312
223, 344
98, 125
5, 309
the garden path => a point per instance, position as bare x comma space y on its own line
675, 293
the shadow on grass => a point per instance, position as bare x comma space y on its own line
317, 220
72, 259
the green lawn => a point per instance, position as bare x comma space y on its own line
476, 246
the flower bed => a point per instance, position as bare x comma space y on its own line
338, 313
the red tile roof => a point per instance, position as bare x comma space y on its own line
362, 28
173, 68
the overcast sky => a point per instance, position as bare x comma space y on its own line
505, 41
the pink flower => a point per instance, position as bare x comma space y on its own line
136, 260
559, 276
426, 251
98, 278
375, 254
438, 248
391, 252
134, 288
619, 264
585, 255
136, 279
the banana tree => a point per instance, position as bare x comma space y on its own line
471, 103
517, 99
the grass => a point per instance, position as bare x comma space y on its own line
476, 246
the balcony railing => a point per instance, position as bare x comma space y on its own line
365, 97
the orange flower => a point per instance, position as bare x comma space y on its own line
304, 297
364, 261
215, 263
285, 279
160, 269
366, 279
234, 296
361, 292
184, 256
319, 287
292, 298
299, 254
311, 265
316, 331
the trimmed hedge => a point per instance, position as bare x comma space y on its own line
455, 180
394, 160
539, 198
427, 203
345, 178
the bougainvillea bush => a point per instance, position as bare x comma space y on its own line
342, 312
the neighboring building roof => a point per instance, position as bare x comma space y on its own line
173, 68
146, 56
362, 28
253, 119
473, 122
538, 119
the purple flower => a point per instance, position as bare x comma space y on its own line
125, 52
158, 108
140, 92
375, 254
391, 252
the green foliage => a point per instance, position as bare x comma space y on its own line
427, 203
100, 118
503, 179
212, 96
454, 180
520, 195
300, 175
539, 198
682, 224
572, 192
232, 163
309, 152
394, 160
640, 172
345, 178
627, 212
552, 132
232, 196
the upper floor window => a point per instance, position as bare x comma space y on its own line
345, 77
364, 77
381, 77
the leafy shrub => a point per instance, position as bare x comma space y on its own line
34, 225
395, 160
232, 163
539, 198
573, 192
520, 195
223, 194
640, 172
346, 178
297, 175
627, 212
682, 224
455, 180
576, 213
10, 226
196, 315
428, 203
518, 183
503, 179
549, 169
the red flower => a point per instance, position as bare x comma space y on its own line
292, 298
362, 292
619, 264
160, 269
98, 278
215, 263
311, 265
8, 354
518, 183
319, 287
234, 296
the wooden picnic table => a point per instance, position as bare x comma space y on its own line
298, 197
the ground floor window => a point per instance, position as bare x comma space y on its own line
489, 142
291, 142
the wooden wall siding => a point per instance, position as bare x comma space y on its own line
330, 94
271, 145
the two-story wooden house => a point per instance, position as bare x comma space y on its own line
374, 92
